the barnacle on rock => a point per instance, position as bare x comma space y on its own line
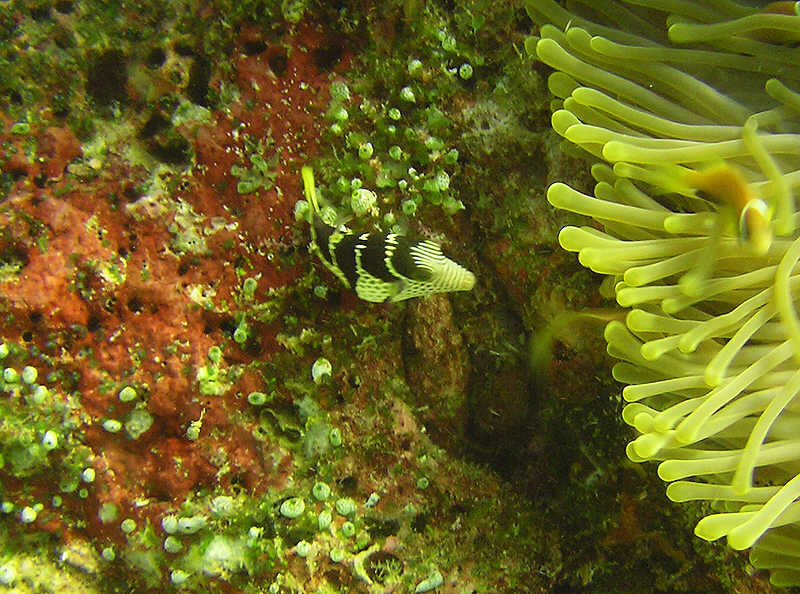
696, 135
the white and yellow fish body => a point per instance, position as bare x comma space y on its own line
382, 266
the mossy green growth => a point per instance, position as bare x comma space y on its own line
293, 507
261, 172
214, 379
249, 287
138, 422
223, 555
242, 331
127, 394
112, 425
187, 230
316, 438
108, 513
38, 425
143, 554
321, 491
191, 524
257, 398
400, 143
173, 545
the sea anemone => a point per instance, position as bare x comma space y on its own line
688, 112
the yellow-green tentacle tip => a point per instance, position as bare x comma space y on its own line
784, 299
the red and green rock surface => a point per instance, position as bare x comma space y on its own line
153, 278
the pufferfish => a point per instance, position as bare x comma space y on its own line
382, 266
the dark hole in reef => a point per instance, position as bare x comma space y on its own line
334, 577
93, 323
15, 97
279, 422
40, 180
155, 124
14, 257
419, 523
122, 252
159, 492
170, 148
297, 532
156, 57
35, 316
41, 12
60, 110
110, 304
135, 304
71, 380
63, 38
169, 103
131, 193
400, 27
208, 329
382, 528
27, 336
228, 326
253, 48
381, 565
183, 268
334, 298
14, 175
348, 485
183, 49
470, 82
65, 6
237, 482
267, 524
328, 56
278, 62
199, 77
107, 77
132, 33
253, 347
458, 510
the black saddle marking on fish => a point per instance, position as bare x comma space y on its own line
344, 257
373, 257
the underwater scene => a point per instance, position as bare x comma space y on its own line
449, 296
